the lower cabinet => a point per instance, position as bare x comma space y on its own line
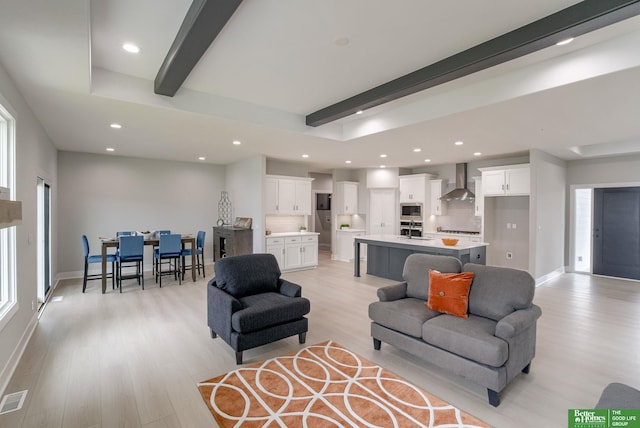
294, 252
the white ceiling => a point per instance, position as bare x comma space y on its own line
277, 61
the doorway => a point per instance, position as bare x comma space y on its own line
44, 240
616, 232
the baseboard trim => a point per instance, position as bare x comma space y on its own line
14, 360
548, 277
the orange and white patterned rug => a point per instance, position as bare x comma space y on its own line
324, 385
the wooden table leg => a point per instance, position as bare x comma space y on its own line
104, 268
193, 260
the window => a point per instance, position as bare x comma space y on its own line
8, 298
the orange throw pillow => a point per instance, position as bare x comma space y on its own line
449, 292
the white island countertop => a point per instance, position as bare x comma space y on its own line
462, 244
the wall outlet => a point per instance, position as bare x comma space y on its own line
509, 255
513, 226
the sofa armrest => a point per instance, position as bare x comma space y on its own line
289, 289
517, 321
220, 307
392, 292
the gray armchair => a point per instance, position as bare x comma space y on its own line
249, 305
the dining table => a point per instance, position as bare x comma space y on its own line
114, 242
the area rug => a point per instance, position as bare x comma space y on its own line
324, 385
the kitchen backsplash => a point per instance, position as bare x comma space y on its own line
460, 216
284, 223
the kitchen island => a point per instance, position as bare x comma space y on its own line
386, 253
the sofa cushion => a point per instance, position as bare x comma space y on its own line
498, 291
416, 272
405, 315
471, 338
247, 274
449, 292
268, 309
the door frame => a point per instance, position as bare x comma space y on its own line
572, 217
40, 239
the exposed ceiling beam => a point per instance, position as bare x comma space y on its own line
202, 24
581, 18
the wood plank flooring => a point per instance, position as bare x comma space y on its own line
134, 359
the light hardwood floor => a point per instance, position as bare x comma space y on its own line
133, 359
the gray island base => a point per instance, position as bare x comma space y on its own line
386, 253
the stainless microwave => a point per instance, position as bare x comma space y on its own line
412, 211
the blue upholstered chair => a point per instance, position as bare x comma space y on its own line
168, 250
111, 258
199, 254
249, 305
130, 252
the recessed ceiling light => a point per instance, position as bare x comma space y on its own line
115, 126
383, 155
305, 155
236, 142
202, 158
131, 48
427, 160
458, 143
565, 41
110, 149
477, 154
347, 161
383, 166
417, 150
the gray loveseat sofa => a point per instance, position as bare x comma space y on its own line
490, 347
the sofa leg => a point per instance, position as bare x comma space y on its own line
238, 357
527, 368
376, 344
494, 398
213, 334
302, 337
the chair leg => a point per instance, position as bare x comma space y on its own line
142, 274
376, 344
213, 334
178, 267
302, 337
120, 276
84, 277
527, 368
494, 397
113, 275
238, 357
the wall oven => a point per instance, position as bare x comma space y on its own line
411, 228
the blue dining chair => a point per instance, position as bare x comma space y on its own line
130, 250
199, 254
111, 258
119, 234
169, 249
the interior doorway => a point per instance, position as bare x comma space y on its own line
44, 240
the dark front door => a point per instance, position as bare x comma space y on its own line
616, 232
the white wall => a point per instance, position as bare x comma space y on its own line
614, 170
245, 184
102, 194
548, 214
35, 156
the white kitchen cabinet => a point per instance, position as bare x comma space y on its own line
413, 188
275, 246
382, 212
438, 188
288, 196
295, 251
479, 199
512, 180
309, 251
345, 197
345, 249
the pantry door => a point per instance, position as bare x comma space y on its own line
616, 232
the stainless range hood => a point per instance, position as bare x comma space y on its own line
460, 193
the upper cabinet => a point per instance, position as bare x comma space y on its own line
288, 195
413, 188
345, 198
512, 180
438, 188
